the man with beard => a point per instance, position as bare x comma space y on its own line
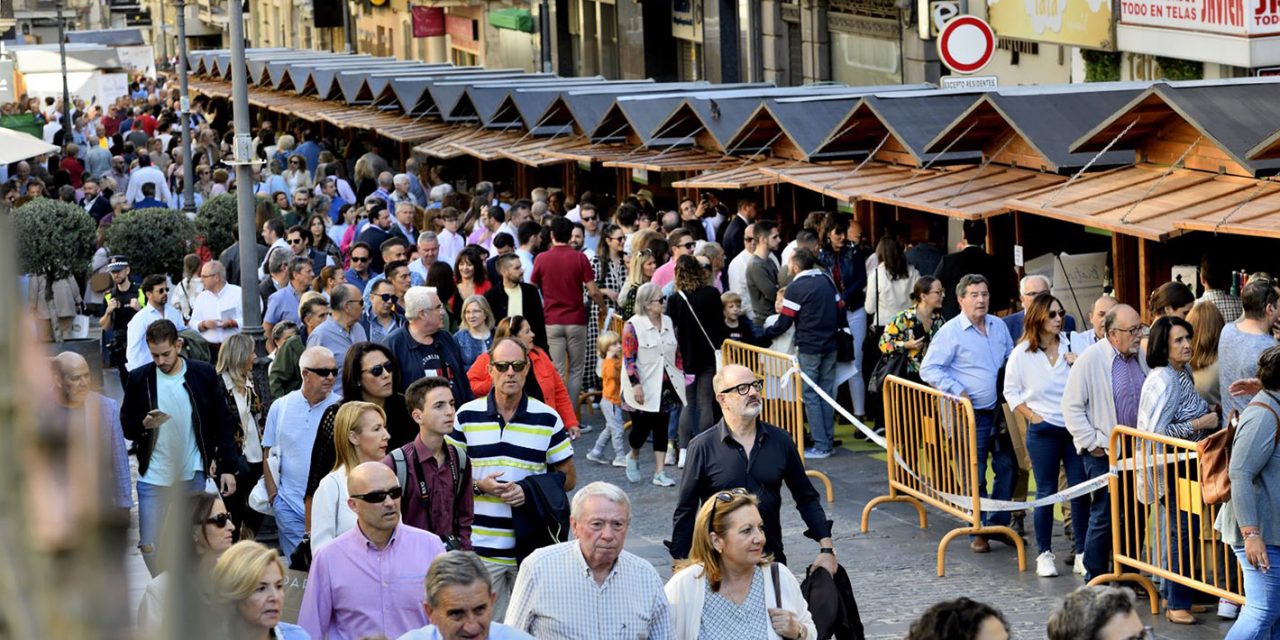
156, 289
744, 451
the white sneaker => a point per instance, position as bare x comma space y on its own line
584, 428
596, 458
620, 461
1228, 610
1078, 568
1045, 565
671, 455
684, 454
662, 480
633, 469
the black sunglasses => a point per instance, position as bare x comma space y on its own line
359, 259
518, 365
377, 497
1054, 315
745, 388
387, 297
296, 241
323, 373
588, 218
723, 496
378, 369
219, 520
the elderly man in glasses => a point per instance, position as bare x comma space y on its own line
531, 441
744, 451
290, 432
367, 582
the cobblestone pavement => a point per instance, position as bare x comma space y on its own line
892, 567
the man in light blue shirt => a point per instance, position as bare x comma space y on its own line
291, 428
964, 359
342, 329
283, 304
460, 601
156, 288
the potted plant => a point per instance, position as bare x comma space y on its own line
56, 241
154, 240
216, 222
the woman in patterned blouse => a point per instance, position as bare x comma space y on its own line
913, 328
610, 266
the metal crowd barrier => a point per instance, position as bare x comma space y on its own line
932, 453
783, 406
1160, 525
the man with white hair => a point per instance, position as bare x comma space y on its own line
423, 349
402, 222
428, 253
292, 422
624, 591
1028, 288
400, 191
97, 158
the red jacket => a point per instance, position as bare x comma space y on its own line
554, 394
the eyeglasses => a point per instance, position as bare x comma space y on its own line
1054, 315
504, 365
745, 388
160, 290
378, 369
688, 246
387, 297
723, 496
588, 218
220, 520
1133, 331
378, 497
294, 162
323, 373
296, 241
359, 259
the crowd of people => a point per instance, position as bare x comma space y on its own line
431, 353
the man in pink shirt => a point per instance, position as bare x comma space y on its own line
368, 581
682, 244
561, 272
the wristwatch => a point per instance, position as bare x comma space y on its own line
827, 550
475, 489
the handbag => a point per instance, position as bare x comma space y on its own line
100, 281
718, 352
893, 364
1214, 454
300, 559
79, 328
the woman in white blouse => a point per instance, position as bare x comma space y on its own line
236, 358
889, 290
1035, 377
359, 436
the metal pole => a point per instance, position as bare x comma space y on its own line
184, 105
348, 29
544, 25
245, 200
164, 37
67, 123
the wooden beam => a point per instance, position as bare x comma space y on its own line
1124, 269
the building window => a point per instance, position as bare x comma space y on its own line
858, 60
690, 60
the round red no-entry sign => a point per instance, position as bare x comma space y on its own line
966, 44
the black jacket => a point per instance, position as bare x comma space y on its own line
832, 605
543, 519
100, 207
532, 302
697, 354
973, 259
210, 417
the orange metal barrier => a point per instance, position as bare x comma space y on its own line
783, 406
932, 451
1158, 487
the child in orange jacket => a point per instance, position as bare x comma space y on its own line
609, 368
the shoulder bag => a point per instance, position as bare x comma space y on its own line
719, 355
1214, 453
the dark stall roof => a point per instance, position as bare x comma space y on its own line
280, 71
374, 87
414, 98
258, 64
527, 106
108, 37
304, 75
1048, 119
1235, 116
446, 93
642, 114
325, 79
479, 101
584, 108
808, 121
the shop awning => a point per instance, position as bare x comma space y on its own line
444, 147
485, 144
531, 151
1152, 202
583, 150
738, 175
668, 160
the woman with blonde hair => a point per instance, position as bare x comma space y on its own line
476, 334
728, 587
643, 264
236, 358
249, 581
359, 435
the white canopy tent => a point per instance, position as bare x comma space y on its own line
16, 146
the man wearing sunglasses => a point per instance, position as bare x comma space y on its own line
590, 221
682, 244
361, 257
368, 581
290, 431
156, 289
744, 451
1030, 287
382, 319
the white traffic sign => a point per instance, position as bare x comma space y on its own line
966, 44
970, 82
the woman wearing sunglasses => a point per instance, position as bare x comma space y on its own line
204, 517
545, 384
1035, 379
370, 374
359, 435
728, 587
652, 380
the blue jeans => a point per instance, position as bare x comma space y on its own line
1260, 617
857, 320
153, 504
821, 367
1051, 448
291, 523
1182, 543
1097, 543
1003, 462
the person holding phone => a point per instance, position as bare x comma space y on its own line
176, 412
913, 328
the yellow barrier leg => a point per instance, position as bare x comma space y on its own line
826, 482
1009, 534
879, 500
946, 540
1142, 580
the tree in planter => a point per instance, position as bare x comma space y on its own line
216, 222
56, 240
154, 240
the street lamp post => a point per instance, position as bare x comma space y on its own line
184, 105
67, 124
245, 201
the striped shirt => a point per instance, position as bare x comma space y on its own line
1126, 387
531, 442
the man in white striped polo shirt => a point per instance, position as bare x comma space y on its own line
508, 437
